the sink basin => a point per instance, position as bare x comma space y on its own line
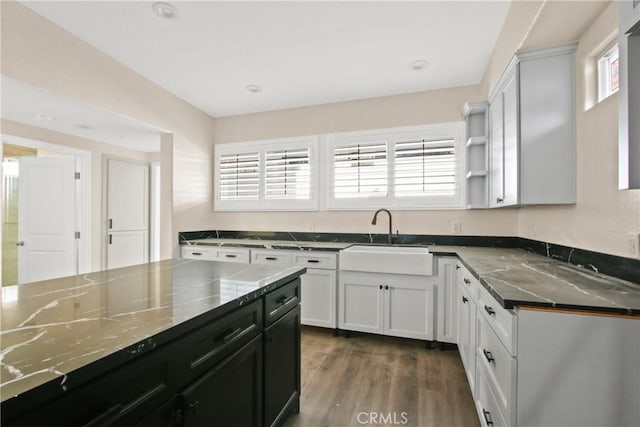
387, 259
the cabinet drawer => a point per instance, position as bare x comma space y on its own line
211, 343
280, 301
271, 257
233, 255
486, 404
316, 260
468, 282
199, 253
499, 365
501, 320
120, 397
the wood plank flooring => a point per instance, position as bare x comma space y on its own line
376, 380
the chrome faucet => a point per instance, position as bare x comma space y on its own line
375, 218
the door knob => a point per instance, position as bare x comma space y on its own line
20, 243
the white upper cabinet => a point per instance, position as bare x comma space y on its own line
629, 98
532, 156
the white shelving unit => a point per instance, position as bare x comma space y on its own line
477, 155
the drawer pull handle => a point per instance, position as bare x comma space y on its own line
282, 302
271, 258
228, 335
489, 310
457, 267
196, 253
499, 200
489, 356
230, 255
381, 287
464, 300
194, 406
286, 300
487, 417
313, 261
467, 281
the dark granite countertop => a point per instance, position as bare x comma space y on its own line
516, 277
53, 329
270, 244
513, 276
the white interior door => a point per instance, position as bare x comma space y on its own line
127, 213
46, 218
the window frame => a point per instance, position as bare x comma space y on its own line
603, 71
455, 130
262, 147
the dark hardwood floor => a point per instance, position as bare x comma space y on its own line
376, 380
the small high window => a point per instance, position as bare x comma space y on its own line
608, 73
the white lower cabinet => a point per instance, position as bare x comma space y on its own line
318, 284
466, 312
389, 304
214, 253
447, 292
318, 296
546, 367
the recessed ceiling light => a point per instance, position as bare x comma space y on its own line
43, 117
254, 88
165, 10
418, 65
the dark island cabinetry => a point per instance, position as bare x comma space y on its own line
234, 367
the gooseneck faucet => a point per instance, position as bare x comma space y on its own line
375, 218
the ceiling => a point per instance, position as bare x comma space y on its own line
38, 107
300, 53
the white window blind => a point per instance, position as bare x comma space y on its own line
360, 170
239, 176
288, 174
425, 168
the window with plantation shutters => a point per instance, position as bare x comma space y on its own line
288, 174
425, 168
239, 176
267, 175
360, 170
418, 167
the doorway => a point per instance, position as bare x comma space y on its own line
45, 222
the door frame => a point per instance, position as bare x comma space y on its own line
105, 203
83, 192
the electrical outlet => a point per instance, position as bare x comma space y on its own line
633, 244
456, 227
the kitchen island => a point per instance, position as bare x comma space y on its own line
170, 342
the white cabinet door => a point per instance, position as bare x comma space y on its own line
361, 302
467, 335
496, 154
510, 138
127, 248
318, 298
409, 308
447, 322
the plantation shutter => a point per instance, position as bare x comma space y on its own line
425, 168
360, 170
288, 174
239, 176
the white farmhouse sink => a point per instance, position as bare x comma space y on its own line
387, 259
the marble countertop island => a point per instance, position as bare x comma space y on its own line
56, 331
